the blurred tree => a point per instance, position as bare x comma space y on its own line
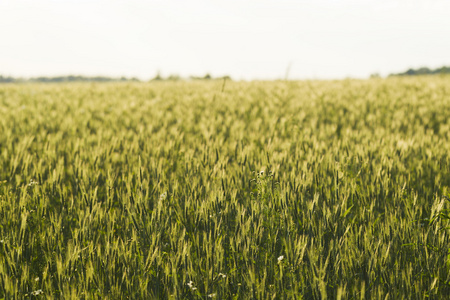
424, 71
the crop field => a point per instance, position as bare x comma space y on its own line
226, 190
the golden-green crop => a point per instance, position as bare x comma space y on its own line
195, 190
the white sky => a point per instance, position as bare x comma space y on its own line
246, 39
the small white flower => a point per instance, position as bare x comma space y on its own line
32, 182
212, 295
190, 284
280, 258
222, 275
163, 196
2, 241
36, 279
38, 292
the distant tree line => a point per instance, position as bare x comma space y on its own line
175, 77
7, 79
424, 71
76, 78
69, 78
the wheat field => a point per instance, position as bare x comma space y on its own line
226, 190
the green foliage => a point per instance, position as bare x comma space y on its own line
199, 190
424, 71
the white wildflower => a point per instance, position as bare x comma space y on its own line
37, 292
163, 196
190, 284
32, 182
280, 258
212, 295
222, 275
